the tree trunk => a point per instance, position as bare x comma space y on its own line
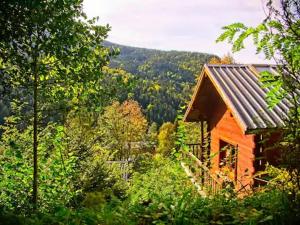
35, 140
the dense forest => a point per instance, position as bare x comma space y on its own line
87, 130
164, 79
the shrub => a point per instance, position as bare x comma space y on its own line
55, 172
166, 139
164, 195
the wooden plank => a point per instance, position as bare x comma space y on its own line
193, 179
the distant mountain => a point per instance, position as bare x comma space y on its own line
165, 78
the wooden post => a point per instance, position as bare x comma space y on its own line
202, 141
208, 144
236, 163
202, 152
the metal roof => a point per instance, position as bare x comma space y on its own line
244, 95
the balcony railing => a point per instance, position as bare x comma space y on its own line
198, 168
196, 150
209, 182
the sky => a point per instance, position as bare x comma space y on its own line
190, 25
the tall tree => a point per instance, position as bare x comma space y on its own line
51, 58
122, 125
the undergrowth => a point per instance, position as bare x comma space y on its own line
162, 194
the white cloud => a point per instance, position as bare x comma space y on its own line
191, 25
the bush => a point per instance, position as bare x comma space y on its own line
161, 193
56, 170
143, 162
166, 139
164, 195
164, 178
62, 215
157, 194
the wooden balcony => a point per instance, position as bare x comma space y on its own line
199, 171
196, 150
207, 182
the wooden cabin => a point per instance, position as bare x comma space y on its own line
230, 103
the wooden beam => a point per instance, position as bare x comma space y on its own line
202, 140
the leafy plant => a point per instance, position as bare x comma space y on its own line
166, 139
56, 169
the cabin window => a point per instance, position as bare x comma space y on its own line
228, 153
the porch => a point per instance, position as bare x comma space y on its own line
206, 167
198, 167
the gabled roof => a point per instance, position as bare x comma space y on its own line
242, 92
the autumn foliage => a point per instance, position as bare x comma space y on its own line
226, 59
123, 125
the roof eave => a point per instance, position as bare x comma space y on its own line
205, 71
198, 85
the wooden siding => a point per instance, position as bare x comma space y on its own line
267, 149
224, 127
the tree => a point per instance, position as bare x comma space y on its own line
166, 138
121, 126
226, 59
192, 132
278, 37
82, 125
56, 170
3, 112
152, 134
51, 58
85, 142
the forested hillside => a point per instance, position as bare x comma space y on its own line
164, 78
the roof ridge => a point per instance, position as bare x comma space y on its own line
225, 65
242, 64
